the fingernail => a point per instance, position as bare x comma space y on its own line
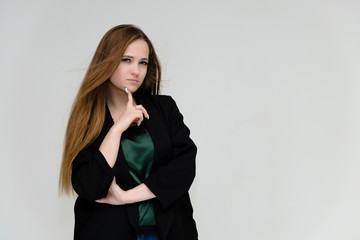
126, 90
148, 116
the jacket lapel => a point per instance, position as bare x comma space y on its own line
154, 125
157, 128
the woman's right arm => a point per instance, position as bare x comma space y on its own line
111, 143
92, 168
91, 174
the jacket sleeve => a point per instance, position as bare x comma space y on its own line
91, 175
173, 180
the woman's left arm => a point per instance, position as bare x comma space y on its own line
173, 180
118, 196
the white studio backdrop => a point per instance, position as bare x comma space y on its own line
269, 89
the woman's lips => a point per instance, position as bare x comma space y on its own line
133, 80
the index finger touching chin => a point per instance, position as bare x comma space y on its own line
130, 97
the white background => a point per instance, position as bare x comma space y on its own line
269, 89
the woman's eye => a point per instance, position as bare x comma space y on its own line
144, 63
126, 60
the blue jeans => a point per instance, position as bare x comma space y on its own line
148, 237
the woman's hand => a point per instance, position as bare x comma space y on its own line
130, 115
133, 114
115, 196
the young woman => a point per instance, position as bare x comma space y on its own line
128, 154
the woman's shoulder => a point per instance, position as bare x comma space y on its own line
163, 103
161, 99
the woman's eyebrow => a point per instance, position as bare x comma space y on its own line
132, 57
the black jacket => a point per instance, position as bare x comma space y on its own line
170, 178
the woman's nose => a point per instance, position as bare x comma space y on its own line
135, 69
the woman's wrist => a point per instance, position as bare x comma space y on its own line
115, 130
137, 194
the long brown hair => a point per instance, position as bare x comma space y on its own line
88, 111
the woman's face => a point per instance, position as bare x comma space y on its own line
132, 69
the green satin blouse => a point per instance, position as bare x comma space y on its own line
138, 150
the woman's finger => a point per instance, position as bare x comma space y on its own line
101, 200
130, 97
139, 118
143, 110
